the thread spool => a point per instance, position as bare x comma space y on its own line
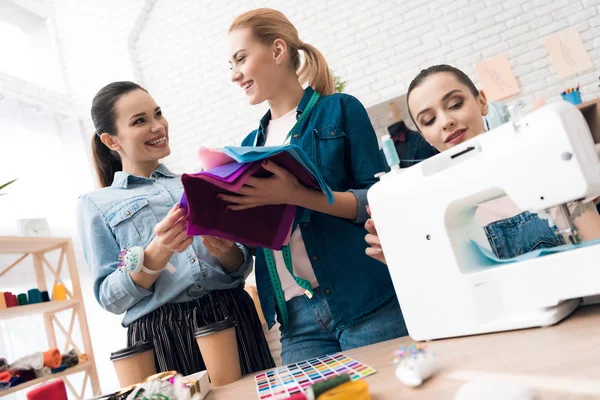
59, 293
357, 390
45, 296
319, 388
34, 296
11, 300
389, 151
2, 300
22, 299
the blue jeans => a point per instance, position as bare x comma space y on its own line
313, 331
512, 237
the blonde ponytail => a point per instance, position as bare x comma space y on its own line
269, 25
315, 71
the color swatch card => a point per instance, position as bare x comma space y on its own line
283, 382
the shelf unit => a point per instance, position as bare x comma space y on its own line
37, 248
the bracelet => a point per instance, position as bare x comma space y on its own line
131, 259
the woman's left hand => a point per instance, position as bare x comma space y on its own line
216, 246
281, 188
227, 252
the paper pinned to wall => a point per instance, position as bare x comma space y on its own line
497, 78
568, 53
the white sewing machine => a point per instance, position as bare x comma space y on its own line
446, 288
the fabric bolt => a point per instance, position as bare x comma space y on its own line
52, 358
61, 368
24, 374
32, 361
70, 359
40, 373
3, 365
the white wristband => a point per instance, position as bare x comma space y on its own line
131, 259
168, 267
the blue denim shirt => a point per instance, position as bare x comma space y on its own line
126, 213
340, 140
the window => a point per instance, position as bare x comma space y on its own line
26, 50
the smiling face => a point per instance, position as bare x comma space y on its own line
445, 111
255, 67
142, 131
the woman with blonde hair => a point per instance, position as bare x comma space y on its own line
328, 295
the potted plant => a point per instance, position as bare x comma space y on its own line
339, 83
5, 185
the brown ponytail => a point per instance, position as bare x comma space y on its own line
269, 25
106, 161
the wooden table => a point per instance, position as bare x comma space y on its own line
559, 362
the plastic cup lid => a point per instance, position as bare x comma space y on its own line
214, 328
138, 348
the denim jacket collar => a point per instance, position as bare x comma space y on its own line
264, 122
122, 178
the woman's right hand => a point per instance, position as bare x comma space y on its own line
170, 232
375, 251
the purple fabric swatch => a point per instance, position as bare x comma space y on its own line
228, 172
265, 226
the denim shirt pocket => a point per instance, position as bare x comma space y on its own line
132, 222
329, 154
521, 234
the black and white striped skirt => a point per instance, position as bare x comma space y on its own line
171, 329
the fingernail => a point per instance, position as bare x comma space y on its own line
377, 250
265, 162
220, 196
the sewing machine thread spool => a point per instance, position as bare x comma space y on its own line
389, 151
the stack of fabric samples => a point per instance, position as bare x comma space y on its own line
36, 365
225, 172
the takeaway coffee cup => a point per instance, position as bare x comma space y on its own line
134, 364
218, 344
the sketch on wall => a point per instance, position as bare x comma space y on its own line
568, 53
497, 79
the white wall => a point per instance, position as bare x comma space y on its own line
177, 49
377, 47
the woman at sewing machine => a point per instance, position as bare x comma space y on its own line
447, 109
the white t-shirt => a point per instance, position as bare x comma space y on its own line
276, 132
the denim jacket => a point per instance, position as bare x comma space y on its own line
339, 138
126, 213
